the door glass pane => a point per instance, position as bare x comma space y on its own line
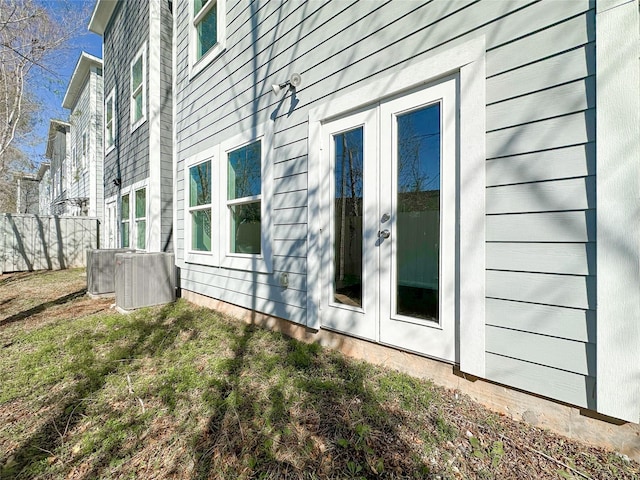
348, 168
418, 213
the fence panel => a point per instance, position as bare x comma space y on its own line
38, 242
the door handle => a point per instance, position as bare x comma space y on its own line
384, 233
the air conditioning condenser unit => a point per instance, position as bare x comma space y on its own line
144, 279
101, 268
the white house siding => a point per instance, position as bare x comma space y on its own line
540, 198
86, 118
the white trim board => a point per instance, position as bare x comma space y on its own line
617, 182
469, 60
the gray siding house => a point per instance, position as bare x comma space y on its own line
57, 151
453, 179
84, 100
138, 164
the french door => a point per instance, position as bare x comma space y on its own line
388, 212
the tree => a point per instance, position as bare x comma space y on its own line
31, 36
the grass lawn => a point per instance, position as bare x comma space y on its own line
186, 393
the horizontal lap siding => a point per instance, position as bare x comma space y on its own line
540, 201
540, 154
123, 38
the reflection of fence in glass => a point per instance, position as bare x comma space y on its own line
348, 211
418, 213
33, 242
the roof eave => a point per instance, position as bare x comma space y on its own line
85, 62
101, 15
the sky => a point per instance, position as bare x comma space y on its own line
51, 91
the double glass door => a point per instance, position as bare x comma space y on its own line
388, 222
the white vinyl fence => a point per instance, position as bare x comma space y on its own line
38, 242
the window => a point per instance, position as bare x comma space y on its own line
141, 218
124, 215
227, 198
109, 122
243, 198
208, 26
138, 89
85, 147
200, 206
74, 158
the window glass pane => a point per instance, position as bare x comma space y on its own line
109, 109
207, 31
200, 184
125, 235
137, 105
418, 215
245, 228
348, 185
201, 230
141, 203
244, 172
197, 6
141, 230
125, 207
136, 74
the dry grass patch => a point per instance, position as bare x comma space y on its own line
184, 393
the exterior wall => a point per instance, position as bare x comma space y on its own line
44, 193
85, 182
59, 171
540, 325
142, 157
96, 155
126, 33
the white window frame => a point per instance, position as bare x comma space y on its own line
198, 256
142, 89
110, 146
220, 254
136, 219
124, 220
133, 230
198, 64
74, 160
85, 150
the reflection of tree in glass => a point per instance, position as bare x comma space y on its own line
349, 182
419, 158
201, 191
244, 171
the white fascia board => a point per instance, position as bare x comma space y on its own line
101, 15
79, 76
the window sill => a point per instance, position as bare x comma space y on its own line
138, 124
197, 66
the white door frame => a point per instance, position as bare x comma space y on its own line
468, 59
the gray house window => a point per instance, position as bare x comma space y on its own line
200, 206
244, 190
124, 215
109, 121
208, 29
141, 218
138, 88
